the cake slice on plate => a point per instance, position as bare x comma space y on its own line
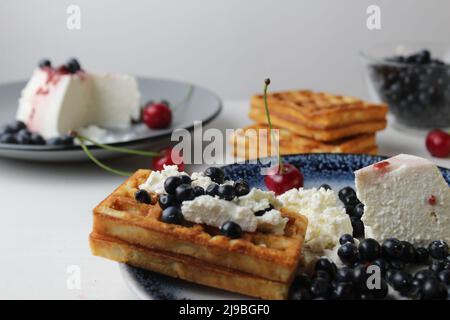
405, 196
57, 100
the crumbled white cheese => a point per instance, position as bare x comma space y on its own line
155, 182
215, 212
199, 179
272, 222
327, 219
258, 200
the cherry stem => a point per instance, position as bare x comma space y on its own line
266, 106
81, 140
117, 149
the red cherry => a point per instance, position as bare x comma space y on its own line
438, 143
168, 157
157, 116
280, 182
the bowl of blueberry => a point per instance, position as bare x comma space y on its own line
413, 80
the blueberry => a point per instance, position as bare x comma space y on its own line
345, 192
432, 289
409, 253
346, 291
216, 174
423, 275
444, 277
185, 179
320, 288
322, 275
67, 140
360, 276
422, 255
231, 230
381, 292
261, 212
350, 210
392, 249
171, 183
389, 274
359, 210
16, 126
301, 281
166, 200
198, 191
397, 264
325, 186
226, 192
23, 137
436, 266
401, 281
326, 265
438, 249
184, 192
45, 63
172, 215
143, 196
346, 238
369, 249
344, 274
73, 65
212, 189
300, 294
348, 253
37, 139
351, 200
358, 227
55, 141
241, 187
8, 138
382, 264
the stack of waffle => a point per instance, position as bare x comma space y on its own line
311, 122
258, 264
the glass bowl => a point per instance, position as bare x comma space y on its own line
413, 79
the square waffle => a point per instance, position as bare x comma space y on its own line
245, 143
188, 268
320, 116
268, 256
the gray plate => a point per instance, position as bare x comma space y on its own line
203, 105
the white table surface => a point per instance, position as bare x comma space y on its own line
46, 218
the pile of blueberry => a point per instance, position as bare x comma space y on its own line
17, 133
392, 258
416, 88
353, 207
179, 189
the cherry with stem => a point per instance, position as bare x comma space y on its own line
283, 176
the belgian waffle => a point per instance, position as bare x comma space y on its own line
188, 268
246, 143
321, 116
261, 255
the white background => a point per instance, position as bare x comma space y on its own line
228, 46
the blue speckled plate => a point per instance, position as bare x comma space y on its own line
333, 169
